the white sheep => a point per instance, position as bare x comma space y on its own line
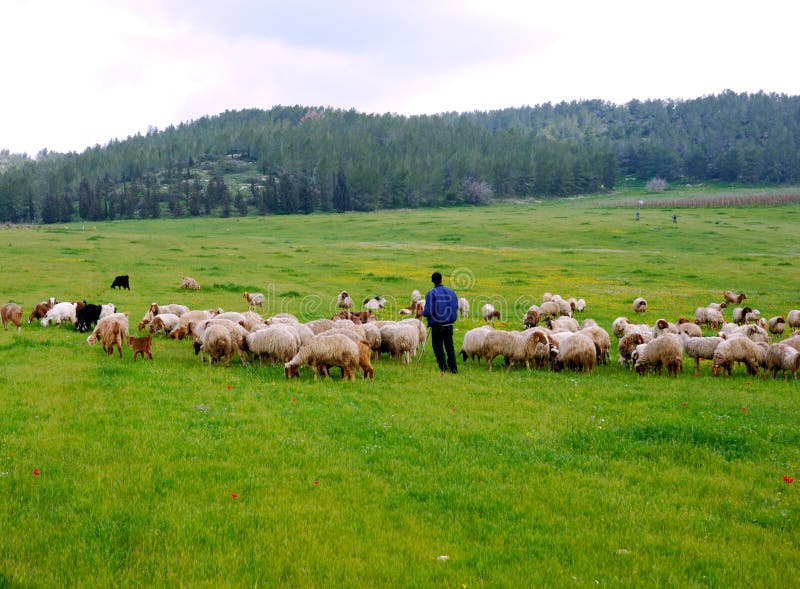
343, 301
374, 303
190, 283
580, 306
415, 296
627, 345
472, 345
164, 323
601, 340
784, 358
463, 307
689, 328
532, 316
215, 342
777, 325
400, 340
283, 318
549, 308
60, 312
665, 351
104, 325
733, 298
489, 313
156, 309
254, 299
322, 352
739, 315
709, 316
737, 349
792, 318
274, 343
577, 352
562, 323
700, 348
320, 325
515, 347
639, 305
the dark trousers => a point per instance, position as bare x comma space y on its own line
442, 341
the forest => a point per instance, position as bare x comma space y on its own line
298, 159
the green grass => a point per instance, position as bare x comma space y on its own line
521, 479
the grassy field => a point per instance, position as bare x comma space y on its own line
166, 473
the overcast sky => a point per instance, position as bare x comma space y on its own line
77, 73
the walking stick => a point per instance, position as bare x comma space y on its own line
424, 344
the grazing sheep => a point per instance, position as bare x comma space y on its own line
564, 307
737, 349
234, 316
156, 309
11, 313
626, 347
717, 306
401, 340
372, 334
322, 352
274, 343
320, 325
374, 303
793, 341
104, 325
237, 332
619, 326
489, 313
216, 343
577, 352
364, 355
663, 326
601, 340
665, 351
732, 298
472, 345
709, 316
549, 308
792, 318
60, 312
463, 307
164, 323
753, 316
188, 321
784, 358
777, 325
343, 301
639, 305
562, 323
532, 316
285, 318
689, 328
113, 336
40, 310
739, 315
752, 332
254, 299
190, 283
252, 321
580, 306
700, 348
515, 347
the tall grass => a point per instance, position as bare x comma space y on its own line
169, 473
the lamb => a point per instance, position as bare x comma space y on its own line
60, 312
792, 318
141, 346
40, 310
639, 305
784, 358
777, 325
472, 345
11, 313
190, 283
322, 352
364, 354
489, 313
532, 317
254, 299
700, 348
733, 298
275, 343
737, 349
577, 352
164, 323
665, 351
216, 342
343, 301
708, 316
515, 347
627, 345
463, 307
739, 315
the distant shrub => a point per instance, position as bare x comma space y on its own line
477, 192
656, 185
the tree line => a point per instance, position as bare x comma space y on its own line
296, 159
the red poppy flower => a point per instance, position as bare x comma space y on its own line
294, 399
36, 472
744, 408
788, 479
316, 482
229, 387
234, 495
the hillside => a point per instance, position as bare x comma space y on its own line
304, 159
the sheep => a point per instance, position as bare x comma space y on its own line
515, 347
216, 342
283, 318
689, 328
732, 297
718, 306
164, 323
549, 308
577, 352
564, 307
322, 352
60, 312
415, 309
463, 307
700, 348
737, 349
793, 341
156, 309
532, 316
343, 301
113, 336
777, 325
627, 345
665, 351
752, 332
106, 332
473, 342
234, 316
792, 318
121, 282
364, 354
489, 313
416, 296
784, 358
580, 306
252, 321
320, 325
753, 316
374, 303
619, 326
639, 305
588, 322
40, 310
276, 343
254, 299
188, 321
107, 309
401, 340
739, 315
709, 316
663, 326
562, 323
190, 283
601, 340
372, 334
237, 333
11, 313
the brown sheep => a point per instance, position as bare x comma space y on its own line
11, 313
732, 297
141, 346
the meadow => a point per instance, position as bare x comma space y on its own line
168, 472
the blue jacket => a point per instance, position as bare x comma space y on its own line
441, 306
